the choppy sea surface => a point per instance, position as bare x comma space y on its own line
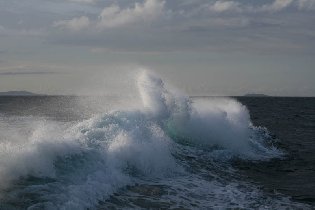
165, 151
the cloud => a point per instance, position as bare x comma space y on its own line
178, 25
114, 16
223, 6
74, 24
277, 5
306, 4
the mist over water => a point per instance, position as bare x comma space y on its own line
170, 147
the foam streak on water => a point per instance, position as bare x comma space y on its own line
183, 147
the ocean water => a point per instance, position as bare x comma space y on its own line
161, 150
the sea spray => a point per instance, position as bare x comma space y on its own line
218, 122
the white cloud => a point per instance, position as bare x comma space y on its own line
74, 24
306, 4
113, 16
277, 5
223, 6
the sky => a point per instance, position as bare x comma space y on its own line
203, 47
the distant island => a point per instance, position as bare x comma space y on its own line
18, 93
255, 95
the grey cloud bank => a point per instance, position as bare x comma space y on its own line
203, 42
155, 25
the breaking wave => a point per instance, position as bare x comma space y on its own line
170, 140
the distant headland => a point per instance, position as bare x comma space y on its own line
18, 93
255, 95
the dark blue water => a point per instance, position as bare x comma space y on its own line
292, 121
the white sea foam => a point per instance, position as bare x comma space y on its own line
76, 166
221, 122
